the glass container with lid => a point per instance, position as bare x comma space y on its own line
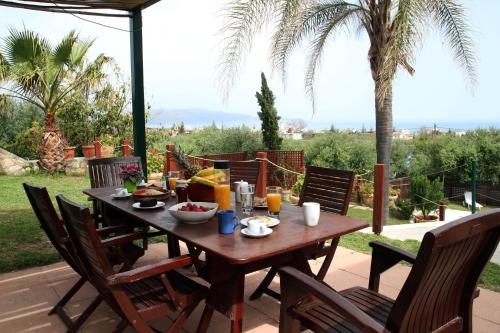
222, 190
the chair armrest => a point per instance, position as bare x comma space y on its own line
112, 229
385, 256
122, 239
293, 278
389, 250
146, 271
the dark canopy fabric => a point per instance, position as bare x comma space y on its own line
85, 7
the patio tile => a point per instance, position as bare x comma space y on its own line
27, 296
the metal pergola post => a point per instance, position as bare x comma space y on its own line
137, 78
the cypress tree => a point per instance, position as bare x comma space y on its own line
269, 116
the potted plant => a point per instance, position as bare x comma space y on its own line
366, 192
88, 149
131, 175
426, 195
108, 143
69, 153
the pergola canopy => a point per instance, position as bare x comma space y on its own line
82, 7
130, 9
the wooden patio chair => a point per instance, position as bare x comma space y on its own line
436, 297
138, 295
332, 189
244, 170
58, 236
104, 172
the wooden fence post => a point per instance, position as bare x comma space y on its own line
126, 148
169, 164
378, 198
442, 209
97, 146
260, 187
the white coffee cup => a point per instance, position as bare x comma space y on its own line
256, 227
121, 192
311, 213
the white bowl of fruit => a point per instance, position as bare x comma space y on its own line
193, 212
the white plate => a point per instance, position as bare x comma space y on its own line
159, 204
193, 217
128, 195
266, 233
270, 221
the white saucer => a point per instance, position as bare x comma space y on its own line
266, 233
270, 221
158, 205
128, 195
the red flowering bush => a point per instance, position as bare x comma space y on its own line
131, 172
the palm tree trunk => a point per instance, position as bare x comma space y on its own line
383, 135
51, 150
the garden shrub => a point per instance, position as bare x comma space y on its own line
297, 187
425, 194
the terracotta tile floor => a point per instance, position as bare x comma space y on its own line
27, 296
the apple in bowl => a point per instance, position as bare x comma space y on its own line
193, 212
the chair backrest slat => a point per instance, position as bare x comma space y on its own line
104, 172
51, 223
244, 170
331, 188
86, 240
443, 280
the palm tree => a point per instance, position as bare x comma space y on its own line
394, 29
33, 70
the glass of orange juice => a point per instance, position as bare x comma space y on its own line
273, 196
172, 181
222, 196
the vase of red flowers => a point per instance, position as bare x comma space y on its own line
131, 175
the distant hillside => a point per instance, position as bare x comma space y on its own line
199, 118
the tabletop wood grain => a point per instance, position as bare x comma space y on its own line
289, 235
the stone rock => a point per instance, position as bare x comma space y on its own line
12, 165
77, 166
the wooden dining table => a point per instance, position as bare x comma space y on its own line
228, 258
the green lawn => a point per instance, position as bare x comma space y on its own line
366, 214
23, 244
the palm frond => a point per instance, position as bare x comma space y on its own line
403, 41
290, 12
80, 50
62, 52
323, 21
450, 17
25, 46
244, 19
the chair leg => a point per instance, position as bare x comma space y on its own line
208, 311
263, 286
181, 318
122, 325
328, 260
68, 295
85, 315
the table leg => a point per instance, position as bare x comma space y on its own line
174, 250
239, 290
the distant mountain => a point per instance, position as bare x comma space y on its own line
199, 118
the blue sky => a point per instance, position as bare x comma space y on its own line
181, 51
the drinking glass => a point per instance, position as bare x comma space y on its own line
172, 181
273, 196
247, 199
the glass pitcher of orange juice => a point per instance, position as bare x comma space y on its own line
273, 196
222, 191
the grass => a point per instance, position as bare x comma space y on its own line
366, 214
490, 279
23, 244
